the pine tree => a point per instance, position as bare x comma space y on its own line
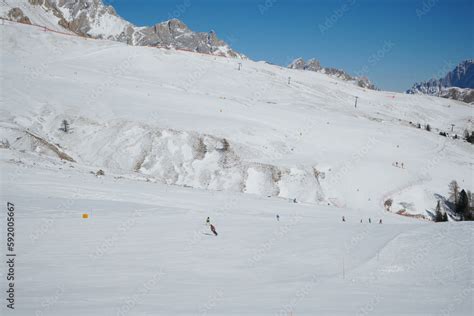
469, 138
454, 192
438, 214
445, 217
469, 216
65, 126
462, 207
388, 204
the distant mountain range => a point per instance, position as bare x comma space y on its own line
315, 65
458, 84
94, 19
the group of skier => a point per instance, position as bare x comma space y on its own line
361, 221
213, 228
398, 165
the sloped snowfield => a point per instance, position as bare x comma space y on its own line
195, 120
145, 250
183, 136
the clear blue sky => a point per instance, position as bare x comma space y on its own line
394, 42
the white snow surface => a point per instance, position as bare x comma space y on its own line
145, 250
183, 136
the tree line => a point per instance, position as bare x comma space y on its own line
460, 202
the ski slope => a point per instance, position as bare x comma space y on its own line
183, 136
145, 250
165, 114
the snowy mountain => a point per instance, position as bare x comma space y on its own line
94, 19
199, 122
112, 156
458, 84
314, 65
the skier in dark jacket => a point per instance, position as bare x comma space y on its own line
213, 229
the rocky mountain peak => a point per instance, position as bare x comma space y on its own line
457, 84
315, 65
177, 25
95, 19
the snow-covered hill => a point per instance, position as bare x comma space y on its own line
196, 120
182, 136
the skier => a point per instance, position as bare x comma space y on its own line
278, 217
208, 221
370, 220
294, 200
380, 221
213, 229
361, 220
343, 219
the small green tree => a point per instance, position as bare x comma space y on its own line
438, 214
469, 216
469, 138
65, 126
445, 217
462, 207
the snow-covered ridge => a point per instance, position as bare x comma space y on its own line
168, 156
458, 84
95, 19
314, 65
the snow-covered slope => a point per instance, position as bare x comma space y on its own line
195, 120
153, 117
145, 250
